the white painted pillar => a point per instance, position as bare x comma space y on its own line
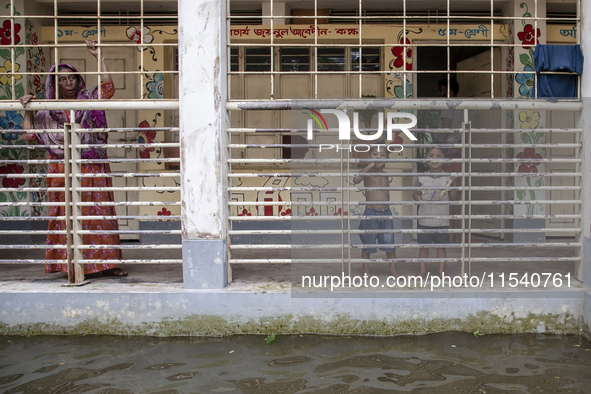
203, 121
585, 32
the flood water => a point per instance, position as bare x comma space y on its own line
435, 363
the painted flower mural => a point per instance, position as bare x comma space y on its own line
142, 36
399, 90
340, 212
528, 36
7, 72
156, 86
6, 33
529, 119
397, 140
526, 82
145, 137
164, 212
529, 154
312, 212
12, 121
403, 55
12, 169
245, 213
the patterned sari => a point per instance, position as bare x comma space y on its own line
87, 119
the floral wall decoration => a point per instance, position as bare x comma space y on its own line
143, 36
397, 82
528, 119
155, 86
147, 137
36, 63
11, 122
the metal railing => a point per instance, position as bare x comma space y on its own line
143, 207
519, 196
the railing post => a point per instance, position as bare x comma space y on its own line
584, 267
76, 184
68, 202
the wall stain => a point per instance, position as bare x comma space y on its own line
215, 326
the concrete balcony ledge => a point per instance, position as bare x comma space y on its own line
120, 307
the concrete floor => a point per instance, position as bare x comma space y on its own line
152, 300
261, 274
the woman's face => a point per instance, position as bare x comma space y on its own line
68, 83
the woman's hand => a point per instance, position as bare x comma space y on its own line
26, 99
28, 118
92, 46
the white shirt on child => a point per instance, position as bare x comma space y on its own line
426, 182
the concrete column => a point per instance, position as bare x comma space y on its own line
203, 121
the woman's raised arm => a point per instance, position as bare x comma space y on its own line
28, 119
92, 46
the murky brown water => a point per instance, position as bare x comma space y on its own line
436, 363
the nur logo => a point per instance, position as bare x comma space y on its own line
318, 118
345, 124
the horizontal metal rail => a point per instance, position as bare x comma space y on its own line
382, 104
66, 105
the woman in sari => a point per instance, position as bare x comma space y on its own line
71, 86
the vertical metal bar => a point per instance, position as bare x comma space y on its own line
535, 43
68, 203
448, 54
55, 51
360, 75
342, 184
12, 56
404, 49
76, 169
492, 58
143, 48
467, 126
348, 217
315, 49
100, 51
272, 74
579, 194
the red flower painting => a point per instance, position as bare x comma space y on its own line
528, 37
145, 137
164, 212
403, 57
340, 212
12, 169
6, 33
397, 140
312, 212
529, 153
245, 213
